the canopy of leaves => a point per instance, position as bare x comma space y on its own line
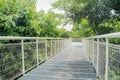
96, 12
18, 18
48, 23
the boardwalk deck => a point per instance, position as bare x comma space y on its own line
69, 64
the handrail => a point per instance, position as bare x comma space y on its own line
30, 38
20, 57
100, 55
111, 35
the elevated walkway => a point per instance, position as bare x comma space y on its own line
69, 64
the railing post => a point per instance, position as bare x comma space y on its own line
58, 44
23, 62
61, 44
51, 49
37, 56
55, 46
46, 56
93, 50
88, 47
107, 59
97, 56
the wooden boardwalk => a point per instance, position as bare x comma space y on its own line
69, 64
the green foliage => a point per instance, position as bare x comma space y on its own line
83, 29
113, 76
10, 60
48, 22
110, 26
96, 12
63, 33
114, 4
18, 18
94, 17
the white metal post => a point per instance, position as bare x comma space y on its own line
55, 46
58, 44
51, 49
46, 56
23, 62
37, 56
107, 59
93, 50
97, 56
61, 43
88, 47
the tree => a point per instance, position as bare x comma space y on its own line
114, 4
83, 29
18, 18
63, 33
48, 23
95, 11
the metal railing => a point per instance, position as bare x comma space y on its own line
76, 40
104, 55
18, 55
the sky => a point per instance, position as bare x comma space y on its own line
46, 5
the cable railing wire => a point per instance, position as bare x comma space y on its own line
104, 55
18, 55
